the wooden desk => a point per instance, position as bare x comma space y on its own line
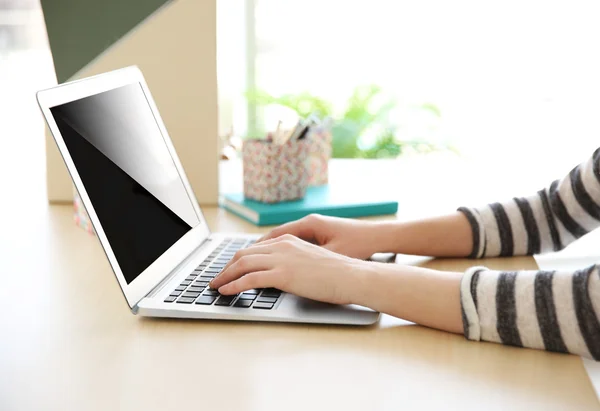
69, 342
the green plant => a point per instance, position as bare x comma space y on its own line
388, 146
366, 109
304, 103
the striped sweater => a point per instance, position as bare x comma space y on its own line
552, 310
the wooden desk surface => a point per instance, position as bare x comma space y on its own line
69, 342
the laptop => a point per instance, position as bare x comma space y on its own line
140, 203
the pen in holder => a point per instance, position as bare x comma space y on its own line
275, 172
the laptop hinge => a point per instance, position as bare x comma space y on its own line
173, 272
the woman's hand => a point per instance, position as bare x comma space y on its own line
294, 266
353, 238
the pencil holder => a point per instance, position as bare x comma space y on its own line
320, 152
275, 172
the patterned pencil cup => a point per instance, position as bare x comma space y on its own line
275, 172
320, 153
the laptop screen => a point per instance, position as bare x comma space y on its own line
128, 173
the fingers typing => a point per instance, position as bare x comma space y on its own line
257, 279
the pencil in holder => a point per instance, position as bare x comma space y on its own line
275, 172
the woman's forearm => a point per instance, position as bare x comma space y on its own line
427, 297
445, 236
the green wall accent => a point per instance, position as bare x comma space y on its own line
80, 30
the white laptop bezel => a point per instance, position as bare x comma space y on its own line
169, 260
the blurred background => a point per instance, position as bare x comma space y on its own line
507, 90
25, 67
501, 84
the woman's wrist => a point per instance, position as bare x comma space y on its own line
421, 295
444, 236
362, 277
385, 237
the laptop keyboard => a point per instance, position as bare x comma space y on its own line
194, 288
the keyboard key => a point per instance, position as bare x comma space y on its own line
205, 300
263, 306
262, 299
222, 261
190, 294
195, 289
190, 278
213, 271
170, 299
211, 292
185, 283
175, 293
180, 288
200, 282
246, 296
225, 300
243, 303
185, 300
271, 292
216, 266
255, 292
207, 277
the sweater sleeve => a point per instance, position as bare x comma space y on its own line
551, 310
547, 221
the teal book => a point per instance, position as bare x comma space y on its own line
338, 202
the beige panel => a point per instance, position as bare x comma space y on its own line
176, 50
